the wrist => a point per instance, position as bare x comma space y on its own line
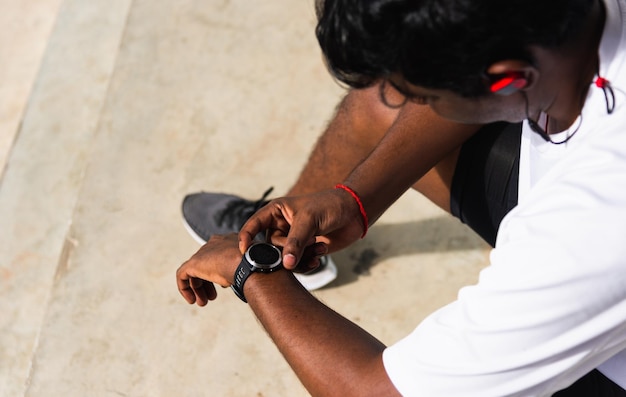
258, 258
264, 287
357, 199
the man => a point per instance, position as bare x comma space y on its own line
551, 307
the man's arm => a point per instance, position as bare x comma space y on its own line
331, 355
416, 145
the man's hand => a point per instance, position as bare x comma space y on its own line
320, 223
215, 262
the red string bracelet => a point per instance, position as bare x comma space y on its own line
358, 201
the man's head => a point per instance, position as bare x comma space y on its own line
440, 44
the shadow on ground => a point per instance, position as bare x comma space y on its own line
441, 234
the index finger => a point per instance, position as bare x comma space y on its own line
261, 220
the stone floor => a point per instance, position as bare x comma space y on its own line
110, 111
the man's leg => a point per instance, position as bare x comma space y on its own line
360, 122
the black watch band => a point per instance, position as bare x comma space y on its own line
241, 275
260, 257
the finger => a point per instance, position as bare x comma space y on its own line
182, 281
211, 291
300, 236
261, 220
279, 239
276, 237
311, 258
197, 285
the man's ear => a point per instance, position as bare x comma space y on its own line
510, 76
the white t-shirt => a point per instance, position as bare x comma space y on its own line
552, 304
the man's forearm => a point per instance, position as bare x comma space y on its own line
416, 142
331, 355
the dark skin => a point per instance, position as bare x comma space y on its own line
350, 363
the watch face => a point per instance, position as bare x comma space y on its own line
263, 256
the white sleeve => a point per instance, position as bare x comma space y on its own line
549, 308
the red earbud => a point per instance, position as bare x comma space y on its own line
509, 83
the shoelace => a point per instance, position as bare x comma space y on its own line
238, 211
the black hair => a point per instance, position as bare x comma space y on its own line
441, 44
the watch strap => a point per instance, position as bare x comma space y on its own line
241, 275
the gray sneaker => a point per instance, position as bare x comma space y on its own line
206, 214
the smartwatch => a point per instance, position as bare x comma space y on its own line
260, 257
